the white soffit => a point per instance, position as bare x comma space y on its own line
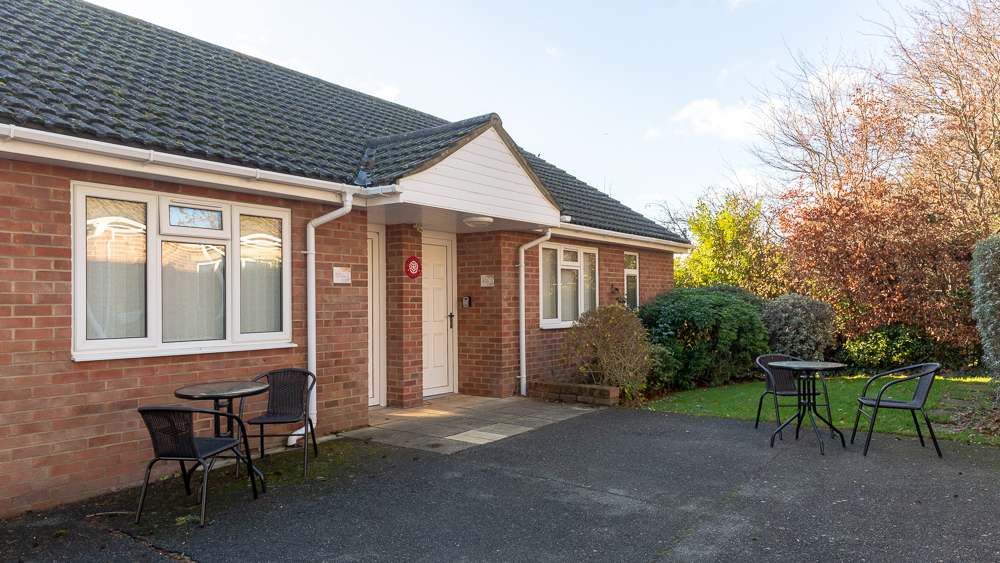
481, 178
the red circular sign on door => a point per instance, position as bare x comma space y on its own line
412, 267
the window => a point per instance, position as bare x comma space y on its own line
631, 280
158, 275
568, 283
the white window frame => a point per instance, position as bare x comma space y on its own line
152, 344
631, 272
560, 266
165, 202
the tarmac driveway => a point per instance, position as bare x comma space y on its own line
614, 485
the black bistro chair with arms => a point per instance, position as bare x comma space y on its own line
924, 374
172, 431
287, 403
781, 383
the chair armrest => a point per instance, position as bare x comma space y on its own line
891, 383
864, 392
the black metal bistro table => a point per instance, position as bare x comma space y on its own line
805, 384
222, 394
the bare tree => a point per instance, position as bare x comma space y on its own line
947, 74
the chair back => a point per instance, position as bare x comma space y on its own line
778, 379
926, 374
288, 391
172, 431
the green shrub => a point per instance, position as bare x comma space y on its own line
664, 373
986, 299
753, 299
898, 345
800, 326
712, 335
611, 346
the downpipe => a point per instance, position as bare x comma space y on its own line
310, 253
523, 376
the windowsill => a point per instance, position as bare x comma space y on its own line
129, 354
552, 326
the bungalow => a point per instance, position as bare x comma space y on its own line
174, 212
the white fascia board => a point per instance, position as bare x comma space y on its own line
578, 232
74, 152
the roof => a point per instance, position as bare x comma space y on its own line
77, 69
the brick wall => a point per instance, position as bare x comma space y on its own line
488, 337
487, 331
544, 346
403, 319
70, 429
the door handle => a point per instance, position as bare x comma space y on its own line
451, 320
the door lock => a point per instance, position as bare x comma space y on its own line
451, 320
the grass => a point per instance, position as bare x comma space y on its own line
958, 407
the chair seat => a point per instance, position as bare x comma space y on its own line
275, 418
890, 403
207, 447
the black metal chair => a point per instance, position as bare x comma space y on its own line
925, 378
172, 431
287, 403
781, 383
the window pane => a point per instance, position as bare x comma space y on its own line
194, 292
550, 284
632, 291
571, 256
631, 262
116, 269
570, 295
260, 274
195, 218
589, 281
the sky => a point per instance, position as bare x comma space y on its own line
647, 101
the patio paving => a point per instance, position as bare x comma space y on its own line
453, 423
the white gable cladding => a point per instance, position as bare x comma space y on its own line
481, 178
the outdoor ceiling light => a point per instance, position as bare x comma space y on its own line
477, 222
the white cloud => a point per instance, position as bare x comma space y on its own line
652, 132
708, 117
553, 51
386, 91
733, 4
721, 78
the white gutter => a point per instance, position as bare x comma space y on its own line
310, 253
590, 233
523, 334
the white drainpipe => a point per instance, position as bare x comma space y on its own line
520, 267
311, 302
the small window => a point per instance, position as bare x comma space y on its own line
568, 280
631, 280
194, 217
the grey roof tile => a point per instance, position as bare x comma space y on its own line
75, 68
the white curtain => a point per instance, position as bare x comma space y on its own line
116, 269
550, 284
194, 291
570, 295
260, 274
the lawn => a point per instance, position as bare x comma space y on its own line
958, 407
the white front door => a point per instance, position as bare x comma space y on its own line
376, 319
438, 316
